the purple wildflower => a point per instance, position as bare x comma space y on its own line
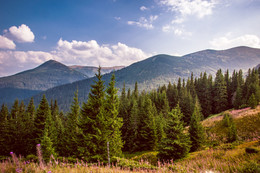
11, 153
38, 145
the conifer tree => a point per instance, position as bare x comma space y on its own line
196, 130
252, 102
29, 127
228, 122
43, 111
92, 123
133, 143
176, 144
220, 93
72, 130
47, 147
4, 130
113, 121
147, 129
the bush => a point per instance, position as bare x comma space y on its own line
251, 150
151, 157
251, 167
132, 164
31, 157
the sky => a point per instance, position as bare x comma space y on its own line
120, 32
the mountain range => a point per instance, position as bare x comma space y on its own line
47, 75
155, 71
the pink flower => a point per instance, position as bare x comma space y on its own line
11, 153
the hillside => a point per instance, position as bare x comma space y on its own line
30, 82
91, 71
162, 69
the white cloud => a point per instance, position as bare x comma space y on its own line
143, 8
16, 61
143, 22
6, 43
91, 53
199, 8
176, 31
226, 42
71, 53
117, 18
21, 34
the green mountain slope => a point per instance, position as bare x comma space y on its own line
161, 69
43, 77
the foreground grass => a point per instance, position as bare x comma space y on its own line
224, 158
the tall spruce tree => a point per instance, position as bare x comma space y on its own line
72, 130
4, 130
43, 111
147, 130
176, 144
92, 123
196, 130
220, 93
113, 121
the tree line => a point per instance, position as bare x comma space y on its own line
134, 121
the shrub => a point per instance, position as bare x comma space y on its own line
32, 157
151, 157
251, 150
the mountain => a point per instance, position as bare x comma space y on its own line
258, 66
43, 77
91, 71
159, 70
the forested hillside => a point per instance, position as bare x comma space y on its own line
135, 121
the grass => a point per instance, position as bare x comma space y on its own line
224, 158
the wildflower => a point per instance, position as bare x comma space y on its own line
11, 153
49, 172
38, 145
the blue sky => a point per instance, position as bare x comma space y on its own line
120, 32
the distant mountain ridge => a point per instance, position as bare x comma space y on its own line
43, 77
161, 69
91, 71
47, 75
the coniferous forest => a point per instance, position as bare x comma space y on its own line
167, 120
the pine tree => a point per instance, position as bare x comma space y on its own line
220, 93
47, 147
29, 128
147, 130
4, 130
252, 102
43, 111
176, 144
132, 142
92, 123
72, 130
196, 130
228, 122
114, 122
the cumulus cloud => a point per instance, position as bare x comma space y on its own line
6, 43
176, 31
88, 53
143, 8
143, 22
20, 34
198, 8
244, 40
91, 53
23, 60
